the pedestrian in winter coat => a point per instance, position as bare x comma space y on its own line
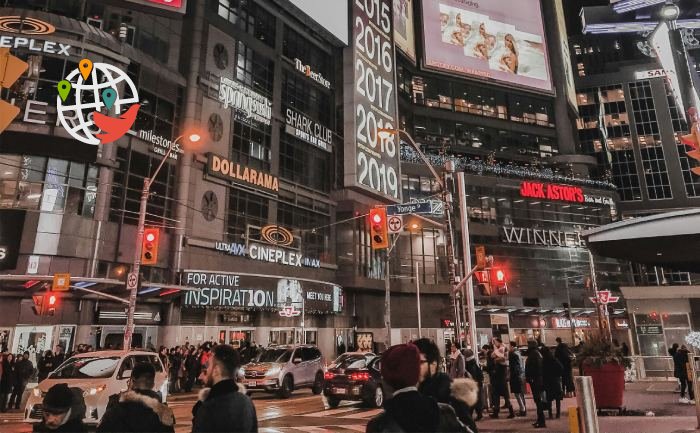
500, 379
475, 372
139, 408
682, 371
21, 374
517, 376
552, 380
6, 380
464, 396
564, 355
534, 376
432, 382
223, 407
46, 365
59, 356
456, 363
63, 411
410, 411
192, 368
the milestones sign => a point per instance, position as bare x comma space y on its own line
372, 159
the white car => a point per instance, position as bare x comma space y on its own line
100, 375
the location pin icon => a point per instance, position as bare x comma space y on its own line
85, 67
64, 88
108, 97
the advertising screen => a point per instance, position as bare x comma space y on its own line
500, 40
371, 114
404, 35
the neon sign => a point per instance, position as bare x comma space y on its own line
552, 191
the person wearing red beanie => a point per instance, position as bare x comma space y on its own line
408, 410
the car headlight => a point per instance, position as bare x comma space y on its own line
273, 371
94, 390
36, 392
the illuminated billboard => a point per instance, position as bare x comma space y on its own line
404, 35
499, 40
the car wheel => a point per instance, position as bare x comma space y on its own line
333, 402
317, 388
286, 388
377, 398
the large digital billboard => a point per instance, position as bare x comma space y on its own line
500, 40
404, 35
371, 113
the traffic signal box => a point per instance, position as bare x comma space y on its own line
499, 281
149, 246
45, 304
378, 230
11, 68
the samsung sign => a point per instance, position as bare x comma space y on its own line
645, 75
308, 130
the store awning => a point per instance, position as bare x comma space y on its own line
669, 239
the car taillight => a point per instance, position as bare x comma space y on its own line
328, 375
359, 377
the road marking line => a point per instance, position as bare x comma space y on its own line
330, 412
358, 428
363, 415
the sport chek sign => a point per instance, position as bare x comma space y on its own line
550, 191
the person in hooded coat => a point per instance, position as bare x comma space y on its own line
408, 410
63, 411
464, 395
139, 408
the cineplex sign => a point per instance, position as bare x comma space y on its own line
229, 290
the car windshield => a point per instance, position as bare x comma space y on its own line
83, 368
275, 355
349, 361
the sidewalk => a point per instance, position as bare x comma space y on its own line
640, 397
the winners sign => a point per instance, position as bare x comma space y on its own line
372, 159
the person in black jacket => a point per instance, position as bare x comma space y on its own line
46, 365
139, 408
681, 367
63, 411
552, 377
222, 407
8, 365
21, 374
475, 372
565, 357
534, 377
432, 382
500, 379
517, 374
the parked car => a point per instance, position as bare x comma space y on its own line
282, 369
100, 375
355, 376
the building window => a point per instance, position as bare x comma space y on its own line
254, 70
305, 164
302, 96
296, 46
244, 209
311, 226
251, 145
251, 17
649, 137
127, 185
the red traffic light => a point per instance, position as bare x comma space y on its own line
379, 233
150, 236
149, 246
52, 300
499, 280
500, 276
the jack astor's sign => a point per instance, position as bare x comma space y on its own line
308, 130
552, 192
547, 238
223, 168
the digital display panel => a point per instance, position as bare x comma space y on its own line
499, 40
404, 34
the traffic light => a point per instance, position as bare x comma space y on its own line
693, 139
11, 68
483, 283
50, 303
149, 246
378, 229
38, 304
498, 280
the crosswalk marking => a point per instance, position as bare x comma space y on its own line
331, 412
354, 428
363, 415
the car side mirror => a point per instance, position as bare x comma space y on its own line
296, 360
126, 374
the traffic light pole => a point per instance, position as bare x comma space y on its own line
136, 266
468, 270
387, 293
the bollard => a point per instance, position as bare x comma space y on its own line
585, 400
573, 420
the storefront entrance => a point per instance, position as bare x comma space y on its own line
235, 336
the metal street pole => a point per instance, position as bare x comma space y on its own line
603, 324
387, 294
466, 247
136, 267
420, 327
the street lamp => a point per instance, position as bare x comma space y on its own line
135, 269
670, 12
447, 200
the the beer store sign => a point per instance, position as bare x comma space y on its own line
251, 105
223, 168
547, 238
253, 291
308, 130
316, 76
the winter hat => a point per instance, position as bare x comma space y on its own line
401, 366
58, 399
